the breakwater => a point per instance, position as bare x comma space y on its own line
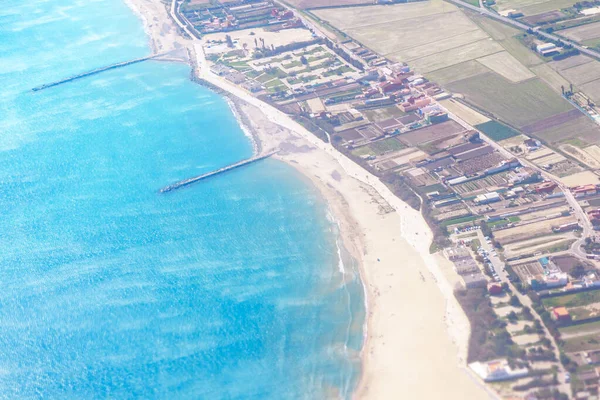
95, 71
189, 181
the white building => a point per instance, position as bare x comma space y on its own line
487, 198
497, 370
547, 48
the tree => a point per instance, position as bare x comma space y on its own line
229, 41
514, 301
303, 60
578, 271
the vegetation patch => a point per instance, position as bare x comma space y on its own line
489, 338
573, 300
496, 130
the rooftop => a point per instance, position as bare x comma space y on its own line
561, 311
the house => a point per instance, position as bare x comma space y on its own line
494, 288
436, 117
551, 280
390, 86
556, 279
573, 226
456, 253
497, 370
466, 266
546, 187
532, 144
512, 13
584, 190
591, 280
414, 104
474, 280
523, 175
235, 77
561, 314
593, 357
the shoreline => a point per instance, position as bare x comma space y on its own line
355, 199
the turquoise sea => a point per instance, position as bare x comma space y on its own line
229, 289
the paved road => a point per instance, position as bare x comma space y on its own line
174, 11
525, 301
524, 27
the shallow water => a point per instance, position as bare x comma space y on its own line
230, 288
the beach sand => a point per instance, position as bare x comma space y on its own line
416, 333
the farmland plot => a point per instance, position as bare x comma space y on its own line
528, 231
519, 104
583, 32
583, 73
505, 64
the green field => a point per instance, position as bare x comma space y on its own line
338, 71
380, 147
461, 220
381, 114
458, 72
497, 131
519, 104
273, 83
573, 300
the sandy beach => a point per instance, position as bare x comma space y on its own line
417, 335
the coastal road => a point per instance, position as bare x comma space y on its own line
522, 26
174, 11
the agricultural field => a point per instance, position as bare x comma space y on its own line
380, 147
472, 56
573, 300
497, 131
458, 72
555, 80
519, 104
578, 342
463, 112
593, 151
382, 114
580, 155
427, 35
529, 231
549, 243
580, 128
592, 89
533, 7
580, 178
582, 33
509, 67
583, 72
486, 184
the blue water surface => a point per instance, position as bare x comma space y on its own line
227, 289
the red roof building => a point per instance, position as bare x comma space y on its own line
546, 187
561, 314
